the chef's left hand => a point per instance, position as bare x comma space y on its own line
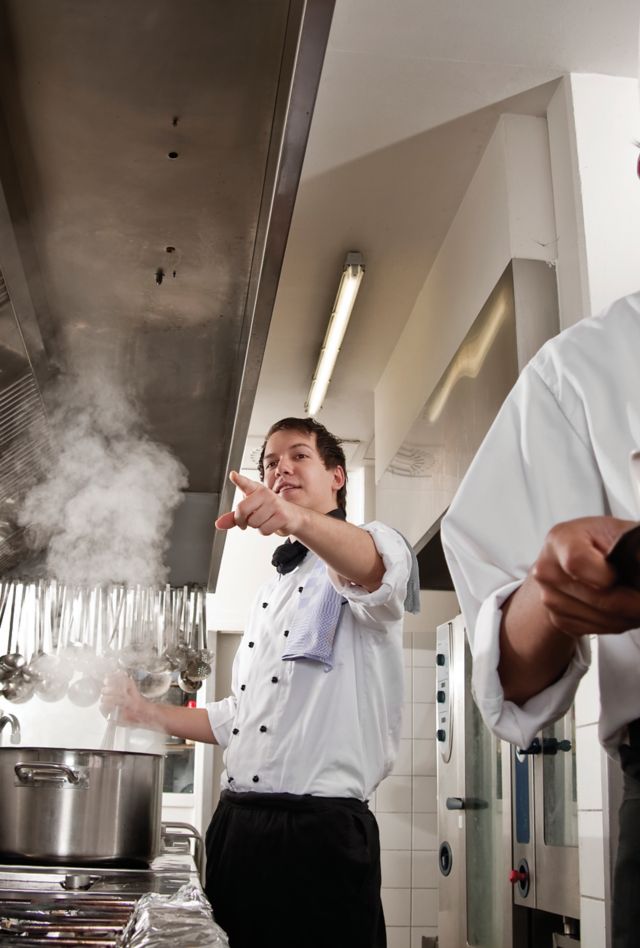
261, 509
121, 698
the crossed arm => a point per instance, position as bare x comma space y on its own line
571, 591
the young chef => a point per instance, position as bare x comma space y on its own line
546, 497
313, 722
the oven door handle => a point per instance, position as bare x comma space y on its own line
465, 803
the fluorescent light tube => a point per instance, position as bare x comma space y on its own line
345, 298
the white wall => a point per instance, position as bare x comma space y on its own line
593, 122
507, 212
606, 123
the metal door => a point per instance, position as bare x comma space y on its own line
474, 809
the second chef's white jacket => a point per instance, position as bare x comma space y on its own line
298, 727
559, 449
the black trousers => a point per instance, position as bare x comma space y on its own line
626, 882
285, 871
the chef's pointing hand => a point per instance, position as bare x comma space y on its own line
246, 485
261, 509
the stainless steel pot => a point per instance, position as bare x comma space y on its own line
79, 806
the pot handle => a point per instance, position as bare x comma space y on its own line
48, 772
190, 832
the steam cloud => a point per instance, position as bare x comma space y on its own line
105, 503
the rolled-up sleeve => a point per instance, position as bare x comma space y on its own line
518, 724
221, 717
387, 601
222, 713
533, 470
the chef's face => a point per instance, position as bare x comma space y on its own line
294, 469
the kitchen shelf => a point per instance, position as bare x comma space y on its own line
178, 748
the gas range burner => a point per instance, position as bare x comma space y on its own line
72, 906
70, 922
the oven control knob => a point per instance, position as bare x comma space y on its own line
440, 659
440, 697
441, 734
521, 878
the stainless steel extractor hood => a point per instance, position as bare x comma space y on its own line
150, 154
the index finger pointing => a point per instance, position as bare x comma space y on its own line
246, 485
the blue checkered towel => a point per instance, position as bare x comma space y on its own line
314, 625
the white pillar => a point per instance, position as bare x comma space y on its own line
592, 122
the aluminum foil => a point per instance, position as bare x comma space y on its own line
182, 920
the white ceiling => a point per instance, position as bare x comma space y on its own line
409, 96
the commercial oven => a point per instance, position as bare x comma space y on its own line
507, 821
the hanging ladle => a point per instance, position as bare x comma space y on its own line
5, 590
13, 662
18, 687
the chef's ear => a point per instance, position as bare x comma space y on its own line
339, 476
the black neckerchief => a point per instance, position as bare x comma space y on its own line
289, 555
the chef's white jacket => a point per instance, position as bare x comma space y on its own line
558, 449
297, 727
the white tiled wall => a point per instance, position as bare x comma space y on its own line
593, 856
592, 923
405, 803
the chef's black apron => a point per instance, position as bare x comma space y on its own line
626, 884
287, 871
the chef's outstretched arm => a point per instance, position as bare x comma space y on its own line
120, 697
346, 549
570, 592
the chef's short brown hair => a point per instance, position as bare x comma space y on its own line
328, 446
